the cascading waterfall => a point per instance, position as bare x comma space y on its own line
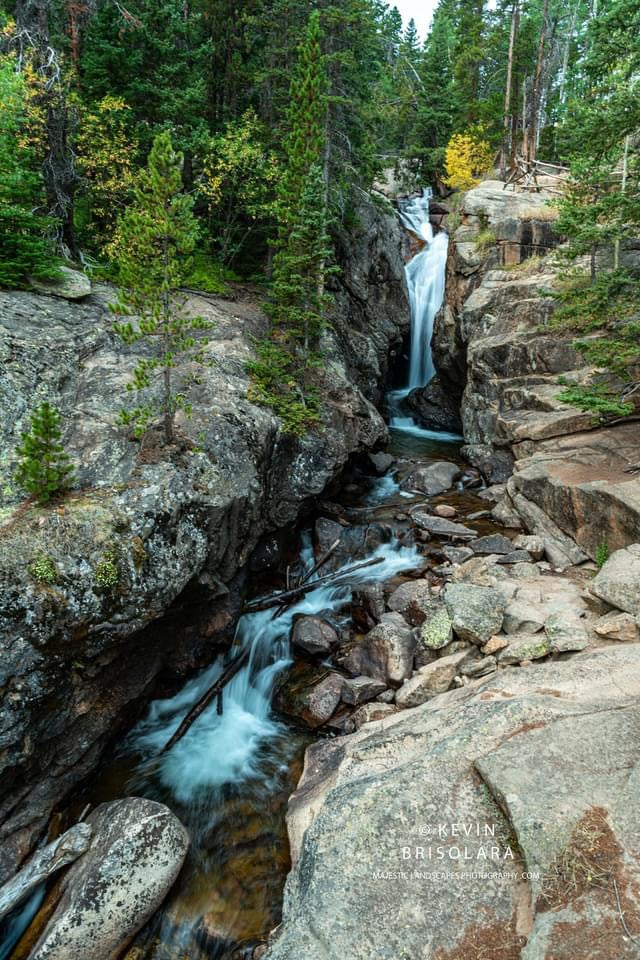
425, 275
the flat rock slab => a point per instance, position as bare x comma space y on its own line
520, 756
136, 852
440, 527
494, 543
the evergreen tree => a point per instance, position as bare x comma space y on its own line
155, 238
297, 299
306, 120
23, 231
44, 469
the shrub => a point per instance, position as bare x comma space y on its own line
43, 569
485, 240
597, 399
468, 156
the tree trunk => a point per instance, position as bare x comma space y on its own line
515, 18
532, 138
166, 318
58, 168
623, 190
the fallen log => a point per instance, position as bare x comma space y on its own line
286, 597
57, 854
214, 692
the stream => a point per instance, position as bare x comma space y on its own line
229, 777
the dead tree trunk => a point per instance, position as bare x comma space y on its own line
58, 167
507, 124
43, 864
536, 88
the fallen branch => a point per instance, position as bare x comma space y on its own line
57, 854
321, 562
307, 577
211, 694
288, 596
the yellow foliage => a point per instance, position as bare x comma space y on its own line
106, 154
468, 156
238, 164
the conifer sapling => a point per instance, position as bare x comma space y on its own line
155, 239
44, 469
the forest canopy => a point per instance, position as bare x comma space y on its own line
283, 113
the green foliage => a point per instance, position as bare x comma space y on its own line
106, 151
153, 245
297, 298
275, 383
24, 246
485, 240
238, 181
610, 302
43, 569
600, 400
107, 572
44, 470
207, 274
602, 554
607, 312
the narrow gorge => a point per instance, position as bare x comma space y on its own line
452, 672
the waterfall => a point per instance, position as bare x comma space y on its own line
425, 275
425, 281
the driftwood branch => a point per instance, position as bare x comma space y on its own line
307, 577
213, 693
57, 854
289, 596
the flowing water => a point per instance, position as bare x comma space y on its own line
426, 274
228, 778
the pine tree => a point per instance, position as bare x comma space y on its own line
25, 248
297, 299
155, 239
44, 469
306, 122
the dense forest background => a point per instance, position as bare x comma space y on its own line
100, 78
280, 113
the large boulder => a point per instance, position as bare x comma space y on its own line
69, 285
430, 680
476, 612
136, 852
437, 832
386, 652
313, 635
433, 479
367, 605
434, 408
414, 600
618, 582
309, 694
